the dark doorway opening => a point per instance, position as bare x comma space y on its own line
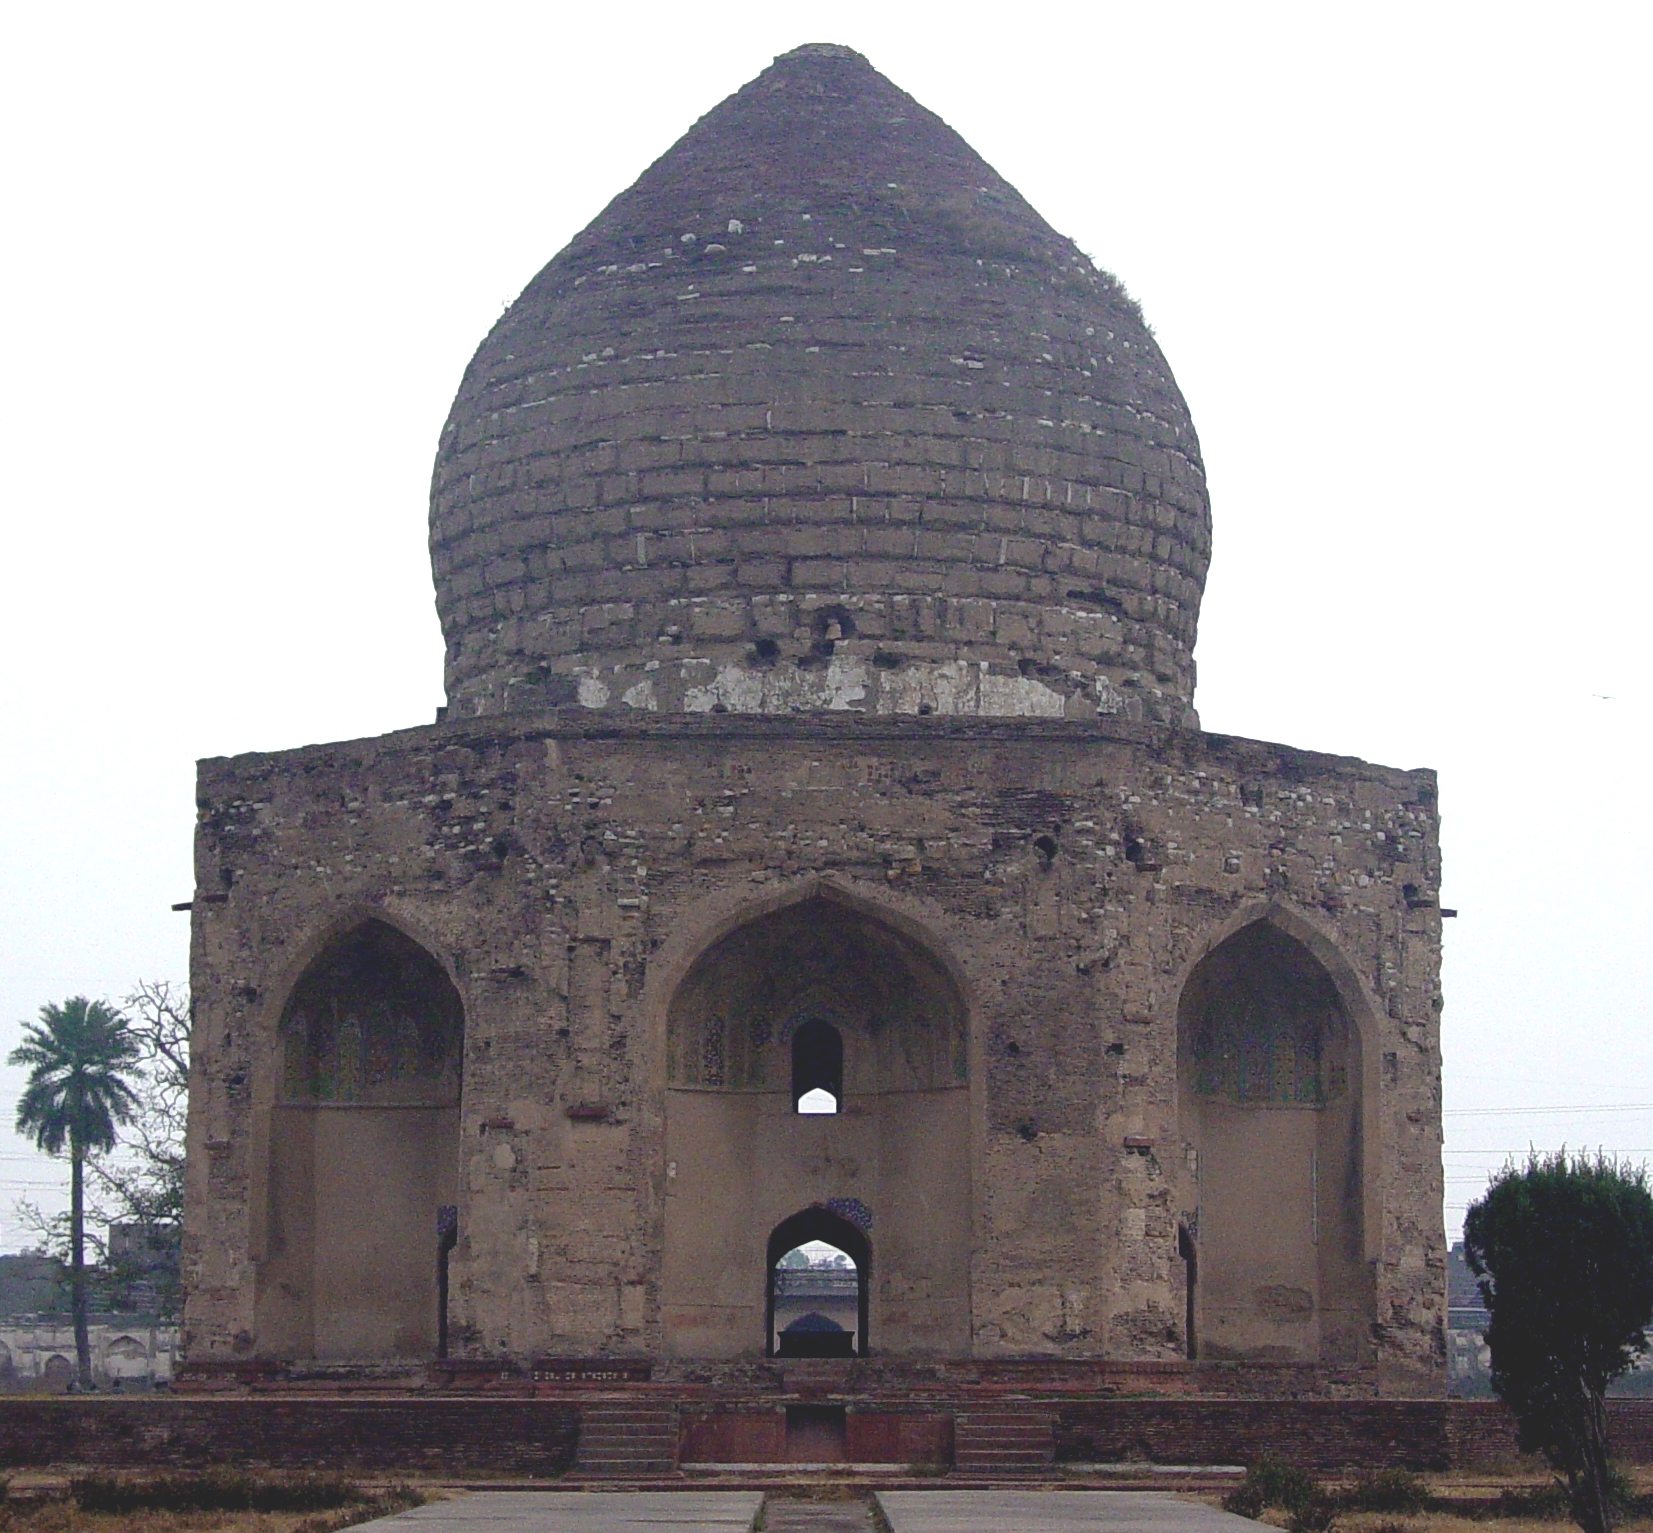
1191, 1261
816, 1287
447, 1237
817, 1068
816, 1434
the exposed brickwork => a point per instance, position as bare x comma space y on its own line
627, 1439
1324, 1434
437, 1437
537, 1437
820, 413
567, 871
1006, 1440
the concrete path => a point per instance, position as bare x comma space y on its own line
1052, 1511
787, 1514
576, 1511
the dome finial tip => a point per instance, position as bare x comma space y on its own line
820, 51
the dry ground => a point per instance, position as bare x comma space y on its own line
1469, 1488
55, 1512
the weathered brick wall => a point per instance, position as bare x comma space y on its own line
1364, 1434
820, 413
1322, 1434
538, 1437
436, 1437
566, 870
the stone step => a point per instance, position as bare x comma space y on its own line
1004, 1442
627, 1440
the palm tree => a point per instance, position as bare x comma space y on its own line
79, 1056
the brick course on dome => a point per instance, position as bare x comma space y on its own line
821, 414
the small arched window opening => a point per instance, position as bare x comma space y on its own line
817, 1287
817, 1068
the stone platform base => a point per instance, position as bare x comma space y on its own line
650, 1432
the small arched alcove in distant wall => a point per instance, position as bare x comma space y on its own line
827, 995
1269, 1068
817, 1068
813, 1304
364, 1152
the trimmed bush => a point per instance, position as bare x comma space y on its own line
1268, 1482
210, 1491
1389, 1490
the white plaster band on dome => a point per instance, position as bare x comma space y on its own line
843, 684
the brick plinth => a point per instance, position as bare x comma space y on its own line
531, 1438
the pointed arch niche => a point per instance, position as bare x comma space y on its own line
1269, 1070
364, 1152
830, 989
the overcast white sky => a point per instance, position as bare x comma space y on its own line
1398, 257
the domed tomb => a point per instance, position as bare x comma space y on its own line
820, 414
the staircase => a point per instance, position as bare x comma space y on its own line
627, 1441
1004, 1441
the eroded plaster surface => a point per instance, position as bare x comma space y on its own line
1065, 883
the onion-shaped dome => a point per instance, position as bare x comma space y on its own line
820, 414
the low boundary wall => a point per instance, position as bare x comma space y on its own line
438, 1437
534, 1438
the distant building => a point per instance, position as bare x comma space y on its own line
131, 1348
38, 1352
31, 1284
1469, 1359
143, 1268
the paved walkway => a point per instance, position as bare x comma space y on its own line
1052, 1511
788, 1514
576, 1511
734, 1511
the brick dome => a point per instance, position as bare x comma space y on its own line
821, 414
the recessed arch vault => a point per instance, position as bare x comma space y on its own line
363, 1148
740, 1158
1271, 1087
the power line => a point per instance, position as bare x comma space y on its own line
1508, 1112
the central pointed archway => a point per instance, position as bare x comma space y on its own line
817, 1059
819, 1287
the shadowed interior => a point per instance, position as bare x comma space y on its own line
1269, 1068
894, 1157
364, 1148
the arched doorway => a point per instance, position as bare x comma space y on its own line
818, 1271
364, 1151
817, 1058
1269, 1069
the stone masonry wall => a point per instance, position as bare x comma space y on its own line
819, 414
566, 869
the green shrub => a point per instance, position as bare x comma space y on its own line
393, 1498
1389, 1490
1315, 1515
1542, 1502
1267, 1483
1555, 1501
210, 1491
